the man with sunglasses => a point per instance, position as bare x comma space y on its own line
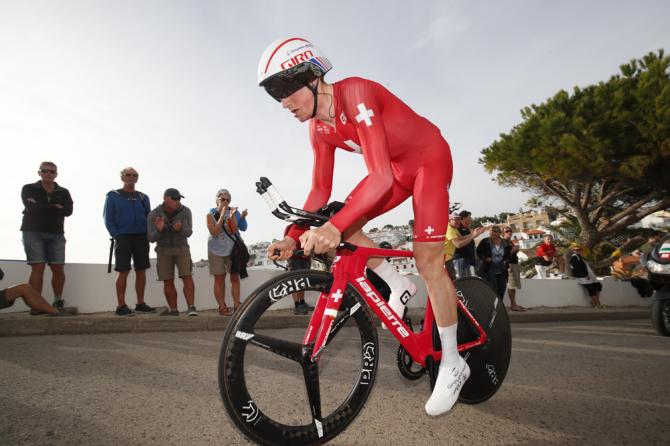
46, 204
406, 156
125, 215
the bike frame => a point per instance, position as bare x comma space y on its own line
348, 268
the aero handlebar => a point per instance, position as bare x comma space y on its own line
283, 211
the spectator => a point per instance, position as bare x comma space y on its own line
37, 304
125, 215
449, 246
513, 270
237, 224
494, 253
297, 262
546, 256
584, 275
170, 225
464, 257
644, 250
219, 248
455, 240
46, 204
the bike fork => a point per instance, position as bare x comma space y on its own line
335, 296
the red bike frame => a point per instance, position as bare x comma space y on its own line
348, 268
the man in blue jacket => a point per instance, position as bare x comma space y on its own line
126, 211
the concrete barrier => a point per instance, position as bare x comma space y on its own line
89, 288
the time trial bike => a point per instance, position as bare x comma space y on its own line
325, 399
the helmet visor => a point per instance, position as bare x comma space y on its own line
285, 84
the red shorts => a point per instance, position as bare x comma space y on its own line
428, 184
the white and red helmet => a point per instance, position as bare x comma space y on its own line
289, 64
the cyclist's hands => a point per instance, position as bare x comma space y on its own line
320, 240
285, 248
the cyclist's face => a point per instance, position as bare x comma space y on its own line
300, 103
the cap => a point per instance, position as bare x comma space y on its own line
173, 193
454, 216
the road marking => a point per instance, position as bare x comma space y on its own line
589, 396
576, 330
604, 348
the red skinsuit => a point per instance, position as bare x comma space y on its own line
405, 154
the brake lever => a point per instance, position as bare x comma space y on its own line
276, 252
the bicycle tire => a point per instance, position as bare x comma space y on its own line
235, 361
489, 362
660, 316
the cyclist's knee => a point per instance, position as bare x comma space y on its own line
429, 258
431, 270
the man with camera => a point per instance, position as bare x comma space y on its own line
170, 225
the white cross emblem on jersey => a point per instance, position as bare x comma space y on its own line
364, 114
337, 295
430, 230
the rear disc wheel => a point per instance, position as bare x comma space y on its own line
489, 362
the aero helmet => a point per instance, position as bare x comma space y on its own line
289, 64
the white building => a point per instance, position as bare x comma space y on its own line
258, 256
657, 220
395, 236
531, 238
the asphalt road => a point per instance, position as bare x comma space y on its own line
568, 383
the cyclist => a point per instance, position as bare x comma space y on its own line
405, 154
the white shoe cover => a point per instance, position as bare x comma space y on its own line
399, 298
450, 381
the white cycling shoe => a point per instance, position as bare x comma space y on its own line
450, 381
399, 298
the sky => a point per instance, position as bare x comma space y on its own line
169, 87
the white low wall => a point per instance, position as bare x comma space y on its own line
89, 288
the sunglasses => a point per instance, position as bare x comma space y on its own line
48, 171
507, 230
131, 174
284, 85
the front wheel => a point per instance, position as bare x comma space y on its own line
660, 316
272, 390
